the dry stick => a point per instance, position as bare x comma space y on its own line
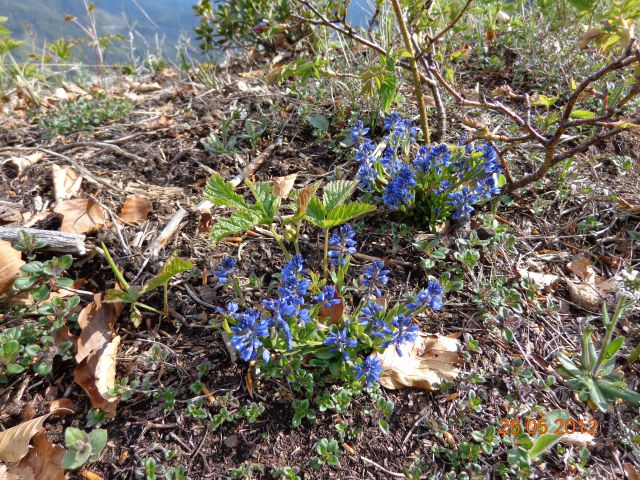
417, 85
80, 168
441, 112
56, 241
255, 164
106, 146
380, 467
169, 231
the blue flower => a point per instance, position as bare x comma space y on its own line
429, 297
463, 202
326, 297
432, 158
370, 316
375, 276
293, 278
388, 157
366, 175
405, 331
487, 188
400, 128
232, 309
370, 369
398, 191
343, 242
341, 341
247, 334
490, 158
358, 130
227, 268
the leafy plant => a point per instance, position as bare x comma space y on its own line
131, 294
595, 378
82, 447
85, 114
225, 142
329, 453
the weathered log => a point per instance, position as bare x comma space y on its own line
56, 241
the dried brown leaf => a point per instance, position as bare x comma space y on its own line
282, 185
89, 475
630, 471
82, 215
160, 122
542, 279
10, 264
66, 182
136, 209
43, 462
589, 36
334, 312
96, 321
14, 442
62, 403
96, 374
583, 269
428, 361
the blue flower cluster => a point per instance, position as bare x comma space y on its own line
375, 276
227, 268
369, 369
461, 176
429, 297
344, 244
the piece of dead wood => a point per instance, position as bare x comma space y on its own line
22, 164
107, 146
167, 232
56, 241
256, 163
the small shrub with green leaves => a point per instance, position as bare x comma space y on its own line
26, 334
85, 114
82, 447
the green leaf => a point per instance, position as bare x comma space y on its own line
14, 368
582, 5
387, 91
131, 295
238, 222
596, 396
24, 283
568, 365
315, 211
97, 440
173, 267
345, 213
75, 438
585, 114
267, 202
619, 390
221, 192
319, 122
613, 347
336, 193
543, 443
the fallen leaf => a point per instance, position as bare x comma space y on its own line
10, 264
503, 17
14, 442
96, 322
82, 215
282, 185
29, 411
542, 279
428, 361
204, 222
61, 403
334, 312
145, 87
630, 471
43, 462
160, 122
577, 439
583, 269
136, 209
96, 374
66, 182
21, 164
89, 475
589, 36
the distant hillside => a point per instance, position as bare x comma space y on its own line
165, 20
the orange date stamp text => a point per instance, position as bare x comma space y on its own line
559, 426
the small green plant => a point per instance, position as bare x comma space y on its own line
131, 294
595, 378
224, 142
85, 114
30, 343
176, 473
286, 473
149, 468
329, 453
82, 447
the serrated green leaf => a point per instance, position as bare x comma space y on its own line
267, 202
238, 222
302, 197
131, 295
336, 193
345, 213
173, 267
221, 192
315, 211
